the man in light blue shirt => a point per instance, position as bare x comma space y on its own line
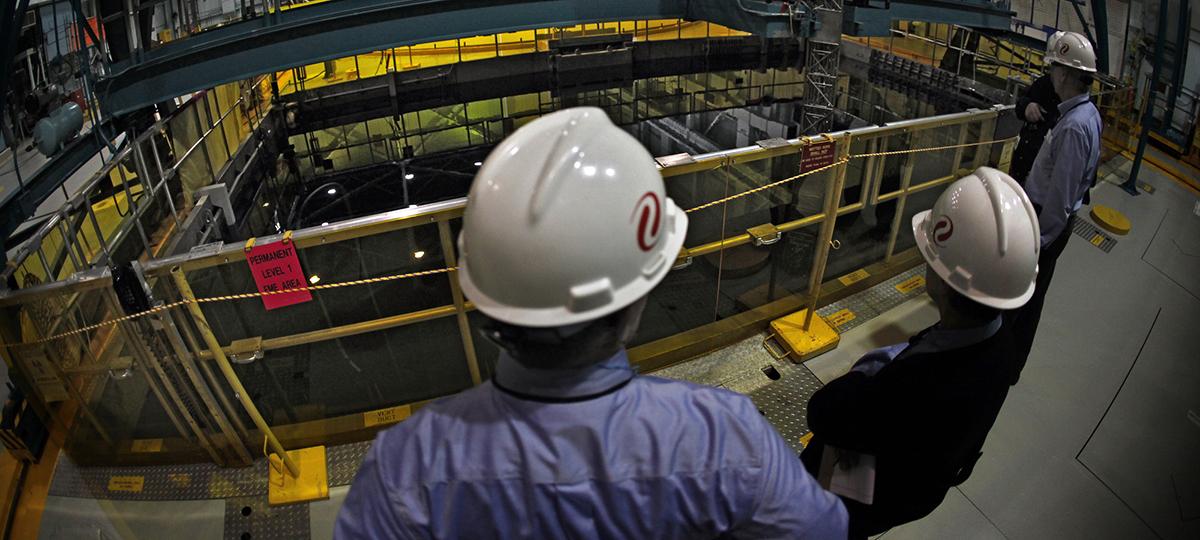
1062, 174
567, 229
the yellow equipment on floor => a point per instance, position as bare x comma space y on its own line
800, 344
1110, 219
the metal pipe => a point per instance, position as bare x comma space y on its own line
464, 326
227, 370
825, 237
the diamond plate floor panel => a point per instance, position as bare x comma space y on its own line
739, 367
252, 518
192, 481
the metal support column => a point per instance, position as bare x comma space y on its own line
833, 198
822, 61
1182, 30
464, 326
1130, 185
1100, 19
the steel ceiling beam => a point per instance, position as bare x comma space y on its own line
877, 21
331, 30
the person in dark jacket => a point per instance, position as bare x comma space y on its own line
908, 422
1038, 109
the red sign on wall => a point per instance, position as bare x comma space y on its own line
276, 267
815, 156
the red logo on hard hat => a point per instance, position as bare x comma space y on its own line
942, 230
648, 212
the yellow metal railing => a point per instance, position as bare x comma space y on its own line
387, 328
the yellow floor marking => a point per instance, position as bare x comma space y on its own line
147, 445
390, 415
841, 317
910, 284
130, 484
854, 277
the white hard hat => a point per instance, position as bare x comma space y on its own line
567, 221
982, 238
1071, 49
1052, 41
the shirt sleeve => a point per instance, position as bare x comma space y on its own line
368, 511
874, 361
1037, 93
1059, 195
790, 503
1022, 103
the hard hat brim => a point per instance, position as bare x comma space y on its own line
562, 315
1057, 62
919, 226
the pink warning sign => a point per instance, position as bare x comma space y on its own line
276, 267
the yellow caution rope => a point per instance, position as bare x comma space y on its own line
164, 307
381, 279
841, 162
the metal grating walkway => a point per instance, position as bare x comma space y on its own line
738, 368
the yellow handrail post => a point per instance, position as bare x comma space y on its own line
832, 198
210, 340
464, 325
905, 183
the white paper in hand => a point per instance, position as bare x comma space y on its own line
849, 474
